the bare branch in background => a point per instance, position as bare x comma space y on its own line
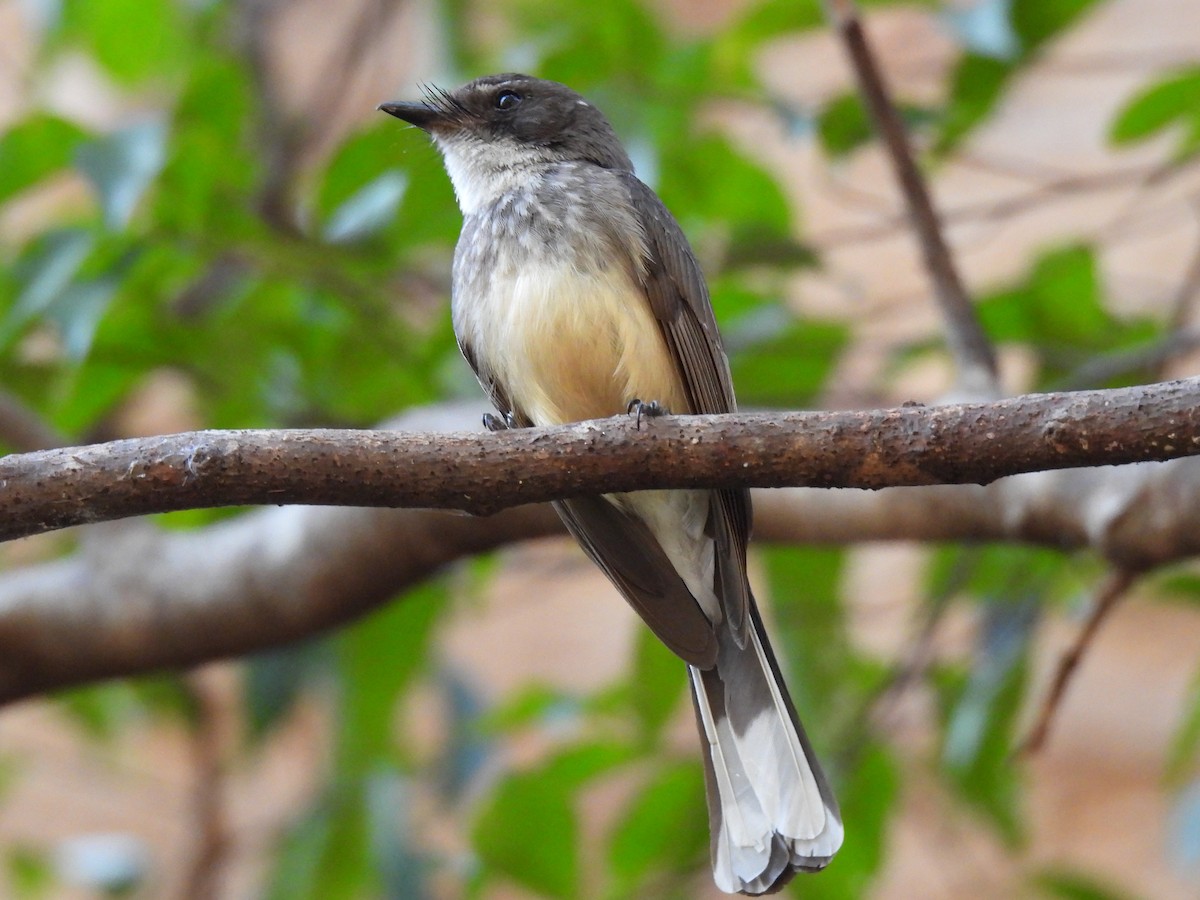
1111, 590
482, 473
1154, 357
156, 599
288, 138
210, 828
978, 375
1051, 188
24, 430
1188, 293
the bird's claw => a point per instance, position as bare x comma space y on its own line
650, 409
499, 423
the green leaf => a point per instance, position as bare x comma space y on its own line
365, 156
976, 752
773, 18
529, 830
1037, 22
381, 156
131, 39
205, 186
528, 706
297, 857
102, 710
708, 181
1185, 743
273, 682
376, 659
530, 833
1182, 585
369, 210
658, 681
980, 79
781, 363
78, 312
1173, 101
976, 86
664, 828
1004, 570
1067, 885
809, 629
1058, 309
34, 149
43, 274
121, 166
30, 872
616, 41
984, 27
843, 125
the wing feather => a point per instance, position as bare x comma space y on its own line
678, 295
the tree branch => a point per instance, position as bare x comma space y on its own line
482, 473
1114, 587
24, 430
973, 353
144, 599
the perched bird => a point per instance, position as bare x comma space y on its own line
575, 294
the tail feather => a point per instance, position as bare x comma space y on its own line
771, 809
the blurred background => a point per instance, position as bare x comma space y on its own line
204, 223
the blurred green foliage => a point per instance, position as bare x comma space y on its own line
312, 292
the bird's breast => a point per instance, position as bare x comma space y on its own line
567, 340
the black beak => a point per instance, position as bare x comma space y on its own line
419, 114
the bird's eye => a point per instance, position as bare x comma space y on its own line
507, 99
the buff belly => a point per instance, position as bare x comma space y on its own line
568, 345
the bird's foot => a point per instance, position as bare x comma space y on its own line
499, 423
651, 410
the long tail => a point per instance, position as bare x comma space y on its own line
770, 807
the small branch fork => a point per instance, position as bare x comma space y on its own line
978, 374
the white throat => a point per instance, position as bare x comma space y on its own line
483, 172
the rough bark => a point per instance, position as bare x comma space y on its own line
144, 599
483, 473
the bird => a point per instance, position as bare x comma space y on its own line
576, 296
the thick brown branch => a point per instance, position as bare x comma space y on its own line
145, 599
978, 374
482, 473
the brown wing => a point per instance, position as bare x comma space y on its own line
492, 387
628, 554
679, 297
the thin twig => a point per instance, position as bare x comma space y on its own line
344, 64
1052, 190
1153, 357
210, 828
1188, 292
911, 668
288, 138
973, 353
23, 430
1109, 593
